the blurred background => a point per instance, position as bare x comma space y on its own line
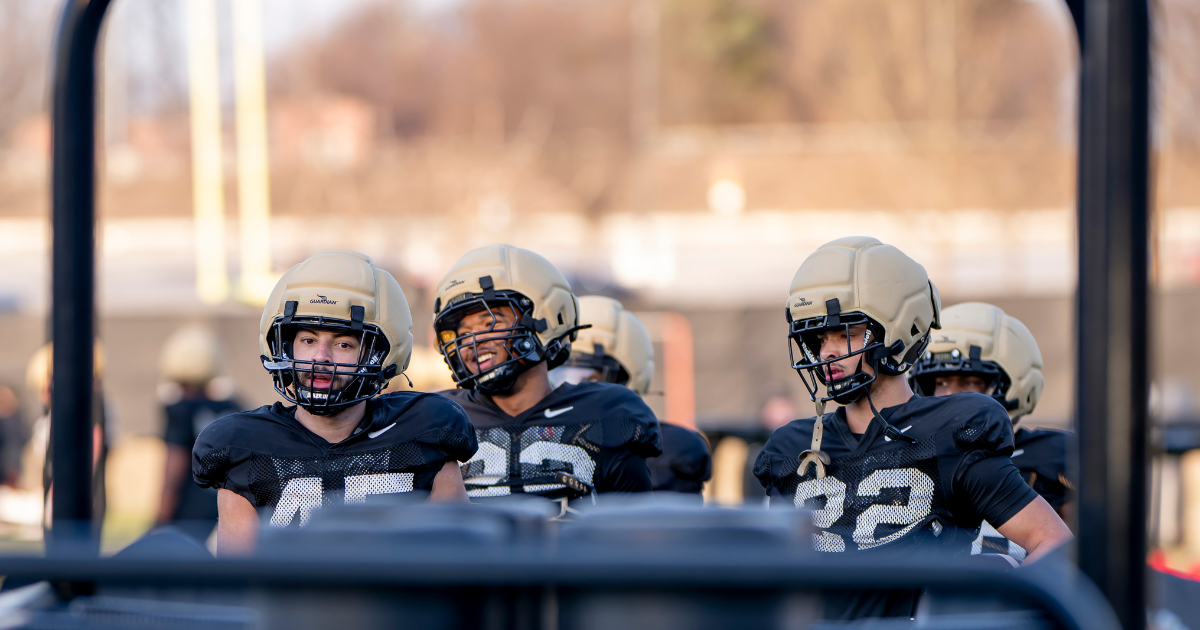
683, 156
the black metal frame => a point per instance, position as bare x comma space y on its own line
74, 281
1112, 302
1072, 603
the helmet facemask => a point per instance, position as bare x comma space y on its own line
349, 383
519, 340
953, 363
805, 351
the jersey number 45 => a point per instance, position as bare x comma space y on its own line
304, 494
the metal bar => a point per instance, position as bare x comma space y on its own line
74, 247
1073, 603
1112, 302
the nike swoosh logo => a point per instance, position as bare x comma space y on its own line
375, 434
1018, 452
554, 413
888, 439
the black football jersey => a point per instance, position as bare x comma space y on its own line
599, 433
685, 463
893, 494
287, 471
1041, 456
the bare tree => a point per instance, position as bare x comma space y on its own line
25, 35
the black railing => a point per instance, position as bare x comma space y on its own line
74, 276
1112, 383
1112, 313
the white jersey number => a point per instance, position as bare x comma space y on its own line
998, 540
495, 466
305, 494
920, 501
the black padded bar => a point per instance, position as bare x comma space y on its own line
1112, 303
74, 252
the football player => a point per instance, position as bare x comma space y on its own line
37, 457
505, 317
983, 350
889, 470
190, 360
617, 349
335, 330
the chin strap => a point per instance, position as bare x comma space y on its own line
815, 455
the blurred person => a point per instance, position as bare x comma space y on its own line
504, 318
12, 437
983, 350
37, 465
615, 348
334, 332
190, 360
889, 471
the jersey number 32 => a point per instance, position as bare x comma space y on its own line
920, 500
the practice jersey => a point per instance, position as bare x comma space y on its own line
599, 433
685, 463
287, 471
1041, 455
932, 487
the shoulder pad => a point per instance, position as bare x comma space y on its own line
779, 457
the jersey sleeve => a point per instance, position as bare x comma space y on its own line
216, 463
777, 462
447, 434
632, 424
631, 434
995, 490
622, 470
985, 481
983, 429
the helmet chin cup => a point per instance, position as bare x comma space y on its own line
845, 391
323, 403
326, 410
499, 380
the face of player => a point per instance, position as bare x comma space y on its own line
836, 343
325, 346
959, 383
489, 350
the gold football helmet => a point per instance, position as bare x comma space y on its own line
982, 340
858, 280
546, 313
192, 355
343, 291
615, 345
848, 282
